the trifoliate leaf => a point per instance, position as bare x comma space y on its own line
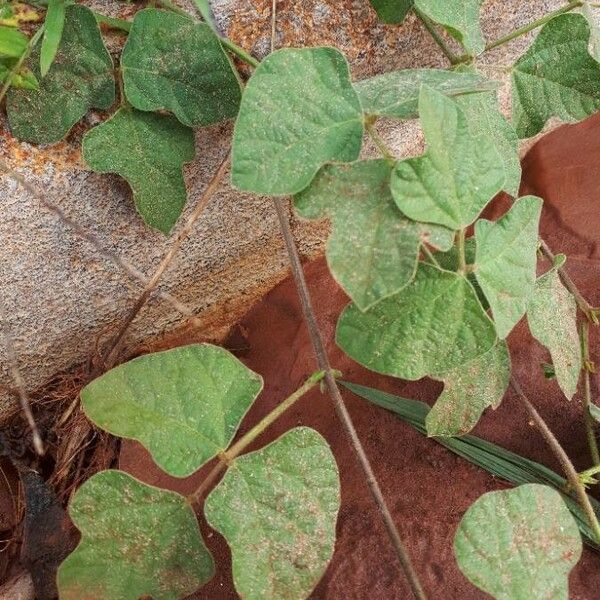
431, 326
486, 121
149, 151
299, 111
392, 11
169, 62
460, 173
53, 29
80, 78
184, 405
556, 77
505, 261
460, 18
137, 541
396, 94
519, 544
374, 248
12, 42
552, 319
468, 391
277, 509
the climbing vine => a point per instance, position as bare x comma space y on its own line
435, 289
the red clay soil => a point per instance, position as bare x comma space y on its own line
428, 488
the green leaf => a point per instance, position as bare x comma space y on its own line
460, 18
456, 178
552, 319
12, 42
594, 412
137, 541
392, 11
149, 151
277, 509
591, 17
487, 122
519, 544
468, 391
505, 261
298, 112
374, 249
80, 78
24, 79
184, 405
171, 63
433, 325
53, 30
396, 93
556, 77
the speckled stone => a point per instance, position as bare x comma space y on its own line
62, 299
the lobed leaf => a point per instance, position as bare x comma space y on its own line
277, 509
460, 18
396, 93
392, 11
149, 151
137, 541
184, 405
468, 391
556, 76
552, 319
299, 111
12, 42
171, 63
80, 78
459, 174
431, 326
505, 261
53, 29
519, 544
373, 249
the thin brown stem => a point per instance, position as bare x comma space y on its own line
586, 370
273, 24
115, 344
338, 402
562, 457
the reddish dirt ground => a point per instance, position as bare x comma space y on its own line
428, 489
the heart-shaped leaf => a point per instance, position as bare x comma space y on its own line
299, 111
277, 509
392, 11
505, 261
169, 62
460, 18
374, 248
137, 541
149, 151
396, 93
556, 76
519, 544
431, 326
81, 77
456, 178
468, 391
552, 319
184, 405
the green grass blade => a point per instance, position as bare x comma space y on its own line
498, 461
54, 24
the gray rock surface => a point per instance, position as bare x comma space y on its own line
61, 298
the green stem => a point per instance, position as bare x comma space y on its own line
379, 142
113, 22
533, 25
437, 38
430, 256
587, 394
227, 457
460, 245
30, 46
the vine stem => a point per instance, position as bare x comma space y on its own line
227, 457
338, 402
587, 393
460, 245
563, 459
437, 38
533, 25
116, 343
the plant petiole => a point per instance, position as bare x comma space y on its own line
437, 38
378, 141
460, 245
